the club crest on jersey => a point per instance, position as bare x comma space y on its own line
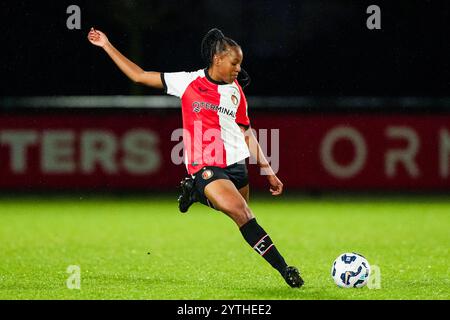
234, 99
207, 174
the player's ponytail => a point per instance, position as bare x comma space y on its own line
215, 42
243, 78
210, 43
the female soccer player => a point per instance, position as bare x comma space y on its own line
216, 138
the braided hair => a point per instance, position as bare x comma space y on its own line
214, 42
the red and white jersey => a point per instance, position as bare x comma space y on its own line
212, 113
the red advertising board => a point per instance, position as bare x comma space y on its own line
142, 151
363, 152
105, 152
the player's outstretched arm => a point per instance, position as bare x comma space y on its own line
131, 70
276, 186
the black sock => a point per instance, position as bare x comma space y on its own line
259, 240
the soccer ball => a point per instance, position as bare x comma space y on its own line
350, 270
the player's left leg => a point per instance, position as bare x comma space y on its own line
225, 197
245, 193
290, 274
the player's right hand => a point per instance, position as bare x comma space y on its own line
98, 38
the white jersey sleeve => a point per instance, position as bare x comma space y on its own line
175, 83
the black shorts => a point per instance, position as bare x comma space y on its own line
236, 173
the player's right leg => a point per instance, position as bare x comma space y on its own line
224, 196
192, 187
187, 196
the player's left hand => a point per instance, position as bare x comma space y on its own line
276, 186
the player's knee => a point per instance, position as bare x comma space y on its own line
239, 211
235, 208
245, 217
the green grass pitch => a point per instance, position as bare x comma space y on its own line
145, 249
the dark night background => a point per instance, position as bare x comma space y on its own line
310, 47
